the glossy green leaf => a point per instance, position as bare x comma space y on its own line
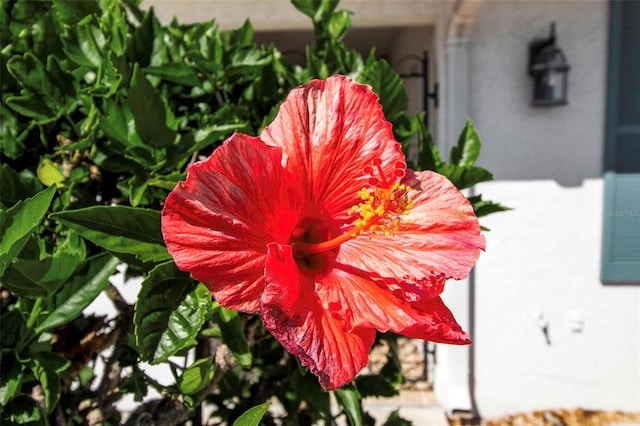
209, 135
196, 377
10, 376
466, 151
17, 224
253, 415
88, 43
339, 24
465, 177
388, 85
47, 366
89, 280
233, 336
119, 124
120, 229
179, 73
41, 276
170, 311
317, 10
149, 111
349, 399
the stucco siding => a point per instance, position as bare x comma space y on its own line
524, 142
549, 334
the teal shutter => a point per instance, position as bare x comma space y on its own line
621, 226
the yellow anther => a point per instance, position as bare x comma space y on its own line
381, 207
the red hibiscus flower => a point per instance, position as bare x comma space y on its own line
318, 226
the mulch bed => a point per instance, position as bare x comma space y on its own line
575, 417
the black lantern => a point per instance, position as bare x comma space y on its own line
549, 69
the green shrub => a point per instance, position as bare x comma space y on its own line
102, 109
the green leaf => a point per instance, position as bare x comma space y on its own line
10, 375
464, 177
196, 377
169, 181
466, 151
318, 10
170, 311
141, 48
349, 399
118, 123
49, 174
375, 385
428, 153
209, 135
29, 71
14, 188
178, 72
120, 229
43, 276
24, 410
84, 42
388, 85
339, 24
137, 187
32, 106
137, 384
484, 207
394, 419
17, 224
253, 415
233, 336
73, 11
149, 111
89, 280
47, 366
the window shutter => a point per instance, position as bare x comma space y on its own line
621, 230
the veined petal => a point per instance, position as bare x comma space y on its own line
364, 302
297, 317
438, 239
329, 131
217, 223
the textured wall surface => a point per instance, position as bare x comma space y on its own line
549, 334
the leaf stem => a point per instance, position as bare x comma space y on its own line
35, 312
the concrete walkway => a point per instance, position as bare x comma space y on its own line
418, 406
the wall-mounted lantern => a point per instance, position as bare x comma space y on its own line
549, 68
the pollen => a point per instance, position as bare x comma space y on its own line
383, 205
381, 209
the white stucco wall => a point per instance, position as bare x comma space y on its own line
281, 15
542, 261
541, 266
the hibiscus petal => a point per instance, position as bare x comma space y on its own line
329, 131
367, 303
439, 239
296, 317
218, 223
